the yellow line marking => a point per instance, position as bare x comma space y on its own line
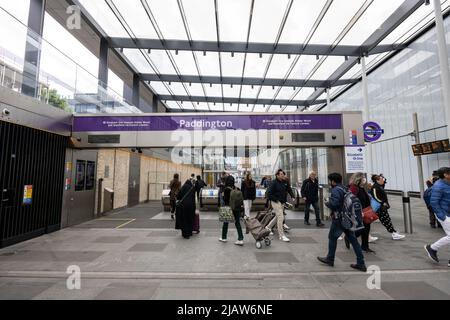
124, 224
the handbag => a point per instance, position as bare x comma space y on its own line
375, 204
369, 215
226, 214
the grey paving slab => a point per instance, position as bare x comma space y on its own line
413, 290
303, 240
23, 291
349, 256
163, 233
111, 239
123, 291
65, 256
148, 247
275, 257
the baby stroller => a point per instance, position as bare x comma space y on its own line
257, 227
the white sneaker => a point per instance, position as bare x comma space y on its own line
342, 238
239, 243
286, 227
372, 239
223, 240
285, 239
397, 236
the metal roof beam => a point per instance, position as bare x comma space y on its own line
237, 100
243, 47
246, 81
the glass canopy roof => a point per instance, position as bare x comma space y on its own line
218, 78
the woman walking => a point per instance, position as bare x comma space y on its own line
248, 188
379, 194
357, 187
174, 186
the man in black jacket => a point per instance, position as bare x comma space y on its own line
277, 194
310, 193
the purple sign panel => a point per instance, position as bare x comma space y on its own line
205, 122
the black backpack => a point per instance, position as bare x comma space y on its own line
350, 216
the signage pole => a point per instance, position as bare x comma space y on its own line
419, 158
366, 114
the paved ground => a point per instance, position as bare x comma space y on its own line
136, 254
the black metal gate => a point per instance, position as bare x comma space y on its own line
31, 182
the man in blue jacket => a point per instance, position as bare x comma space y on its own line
440, 202
336, 204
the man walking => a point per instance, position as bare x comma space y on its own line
310, 193
336, 204
277, 193
440, 203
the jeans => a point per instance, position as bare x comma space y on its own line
445, 241
335, 232
316, 210
247, 207
237, 223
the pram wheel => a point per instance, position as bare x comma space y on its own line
267, 241
258, 244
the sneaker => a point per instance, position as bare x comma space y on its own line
397, 236
285, 239
286, 227
239, 243
432, 254
368, 250
372, 239
359, 267
326, 261
341, 238
223, 240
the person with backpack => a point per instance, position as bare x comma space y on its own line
310, 193
337, 203
378, 193
185, 212
357, 187
440, 202
248, 188
427, 200
174, 186
234, 199
277, 194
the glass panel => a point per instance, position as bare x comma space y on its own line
335, 20
285, 93
375, 15
168, 18
159, 88
248, 92
328, 67
18, 9
279, 66
138, 61
232, 66
209, 63
275, 108
135, 16
264, 11
245, 108
162, 62
290, 109
256, 66
103, 15
115, 84
231, 92
259, 108
172, 105
216, 107
90, 175
195, 89
234, 29
177, 89
300, 21
267, 92
185, 62
201, 19
188, 105
303, 67
231, 108
213, 91
80, 175
203, 106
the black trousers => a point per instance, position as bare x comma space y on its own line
172, 206
364, 233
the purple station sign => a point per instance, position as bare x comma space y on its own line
207, 122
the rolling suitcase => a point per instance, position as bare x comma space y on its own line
196, 224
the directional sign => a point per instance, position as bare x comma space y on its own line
354, 159
372, 131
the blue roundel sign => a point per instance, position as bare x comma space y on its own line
372, 131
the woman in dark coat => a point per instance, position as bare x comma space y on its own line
175, 186
186, 209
